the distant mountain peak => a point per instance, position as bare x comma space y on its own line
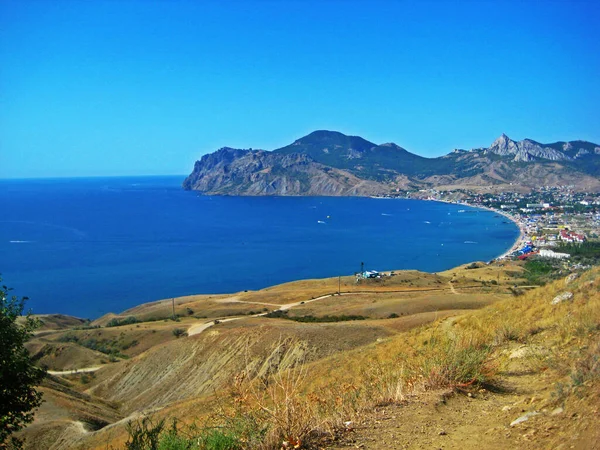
327, 137
320, 134
525, 150
502, 140
328, 162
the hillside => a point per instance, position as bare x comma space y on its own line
331, 163
390, 361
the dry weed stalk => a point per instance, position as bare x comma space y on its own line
272, 398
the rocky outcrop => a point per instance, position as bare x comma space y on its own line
564, 297
525, 150
257, 172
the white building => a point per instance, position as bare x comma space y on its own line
552, 254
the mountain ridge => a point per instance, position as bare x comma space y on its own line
332, 163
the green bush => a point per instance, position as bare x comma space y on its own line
179, 332
174, 441
218, 439
119, 322
106, 346
145, 434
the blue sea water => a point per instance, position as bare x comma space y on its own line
90, 246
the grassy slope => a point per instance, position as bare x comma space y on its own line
180, 375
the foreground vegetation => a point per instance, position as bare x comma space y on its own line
18, 374
305, 406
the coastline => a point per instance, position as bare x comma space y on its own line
519, 241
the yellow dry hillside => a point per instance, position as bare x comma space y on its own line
268, 383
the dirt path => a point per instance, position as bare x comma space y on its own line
200, 327
292, 305
522, 416
522, 413
234, 299
454, 291
74, 371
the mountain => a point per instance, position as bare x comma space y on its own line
258, 172
331, 163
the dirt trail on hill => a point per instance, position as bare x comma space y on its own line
454, 291
75, 371
199, 328
235, 299
443, 420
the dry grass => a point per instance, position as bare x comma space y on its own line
379, 306
317, 378
468, 353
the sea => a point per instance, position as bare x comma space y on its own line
89, 246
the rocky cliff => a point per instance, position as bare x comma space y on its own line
258, 172
331, 163
525, 150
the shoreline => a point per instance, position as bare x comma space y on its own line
519, 241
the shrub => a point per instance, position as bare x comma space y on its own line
119, 322
218, 439
174, 439
278, 314
179, 332
144, 434
107, 346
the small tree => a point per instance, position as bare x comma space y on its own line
18, 374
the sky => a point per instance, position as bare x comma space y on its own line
125, 87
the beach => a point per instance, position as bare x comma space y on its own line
521, 240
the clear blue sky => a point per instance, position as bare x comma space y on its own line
146, 87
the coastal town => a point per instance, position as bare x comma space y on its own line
549, 218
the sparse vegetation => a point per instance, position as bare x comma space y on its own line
539, 272
179, 332
144, 434
120, 322
279, 314
282, 398
111, 347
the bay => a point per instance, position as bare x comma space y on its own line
89, 246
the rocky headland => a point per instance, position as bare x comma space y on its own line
333, 164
